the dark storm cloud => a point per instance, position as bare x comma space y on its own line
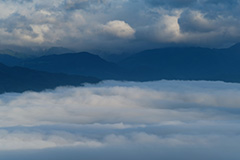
72, 5
195, 22
15, 21
122, 25
230, 2
173, 3
18, 1
81, 4
192, 3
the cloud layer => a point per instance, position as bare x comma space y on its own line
133, 24
168, 119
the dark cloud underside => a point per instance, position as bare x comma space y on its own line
123, 25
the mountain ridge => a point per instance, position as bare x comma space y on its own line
18, 79
172, 63
82, 63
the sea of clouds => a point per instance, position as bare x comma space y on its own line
123, 120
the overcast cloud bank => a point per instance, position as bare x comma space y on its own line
168, 119
117, 26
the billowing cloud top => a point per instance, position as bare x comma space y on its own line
112, 25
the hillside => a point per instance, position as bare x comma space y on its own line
18, 79
191, 63
75, 63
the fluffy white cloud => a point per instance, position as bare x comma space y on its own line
116, 104
119, 120
126, 104
119, 29
34, 140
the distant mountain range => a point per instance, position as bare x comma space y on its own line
26, 53
18, 79
174, 63
75, 63
190, 63
9, 60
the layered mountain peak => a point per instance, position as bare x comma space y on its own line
235, 47
82, 63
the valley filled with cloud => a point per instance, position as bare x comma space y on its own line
46, 43
122, 120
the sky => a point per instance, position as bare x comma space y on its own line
119, 26
170, 120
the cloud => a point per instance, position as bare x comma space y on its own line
119, 29
175, 3
169, 119
80, 24
22, 141
121, 103
79, 4
195, 22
